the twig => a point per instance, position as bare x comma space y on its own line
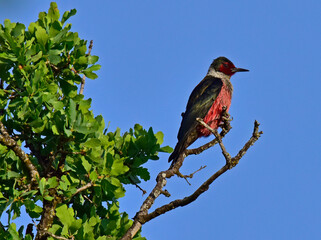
82, 152
89, 200
165, 193
10, 143
219, 139
83, 188
143, 191
82, 86
58, 237
192, 174
179, 174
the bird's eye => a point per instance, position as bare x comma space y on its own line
225, 64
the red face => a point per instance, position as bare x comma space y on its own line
226, 67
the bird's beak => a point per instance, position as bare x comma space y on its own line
234, 70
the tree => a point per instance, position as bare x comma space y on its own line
56, 158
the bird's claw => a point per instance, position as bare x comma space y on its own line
227, 118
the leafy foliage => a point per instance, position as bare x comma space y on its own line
82, 168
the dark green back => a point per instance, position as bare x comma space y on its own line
199, 103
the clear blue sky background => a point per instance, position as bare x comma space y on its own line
153, 53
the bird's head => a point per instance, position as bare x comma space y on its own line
224, 65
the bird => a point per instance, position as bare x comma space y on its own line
207, 101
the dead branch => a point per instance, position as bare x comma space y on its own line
179, 174
142, 216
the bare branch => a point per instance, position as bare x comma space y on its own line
83, 188
10, 143
165, 193
142, 216
82, 86
192, 174
143, 191
58, 237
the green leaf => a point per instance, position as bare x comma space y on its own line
160, 137
67, 15
13, 232
54, 29
119, 191
54, 130
55, 228
48, 198
68, 88
36, 57
166, 149
86, 165
41, 36
8, 56
52, 182
94, 68
42, 185
8, 25
92, 143
54, 56
92, 59
143, 173
93, 176
60, 36
18, 30
12, 174
53, 12
106, 238
84, 105
65, 215
38, 125
32, 209
82, 60
90, 75
75, 225
139, 238
71, 112
64, 183
118, 167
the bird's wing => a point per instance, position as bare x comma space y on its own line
199, 103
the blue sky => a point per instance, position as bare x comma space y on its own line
153, 53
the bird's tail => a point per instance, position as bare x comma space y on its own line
179, 148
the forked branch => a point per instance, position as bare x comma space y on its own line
142, 216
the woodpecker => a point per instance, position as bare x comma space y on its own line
206, 101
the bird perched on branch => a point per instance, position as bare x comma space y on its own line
207, 101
